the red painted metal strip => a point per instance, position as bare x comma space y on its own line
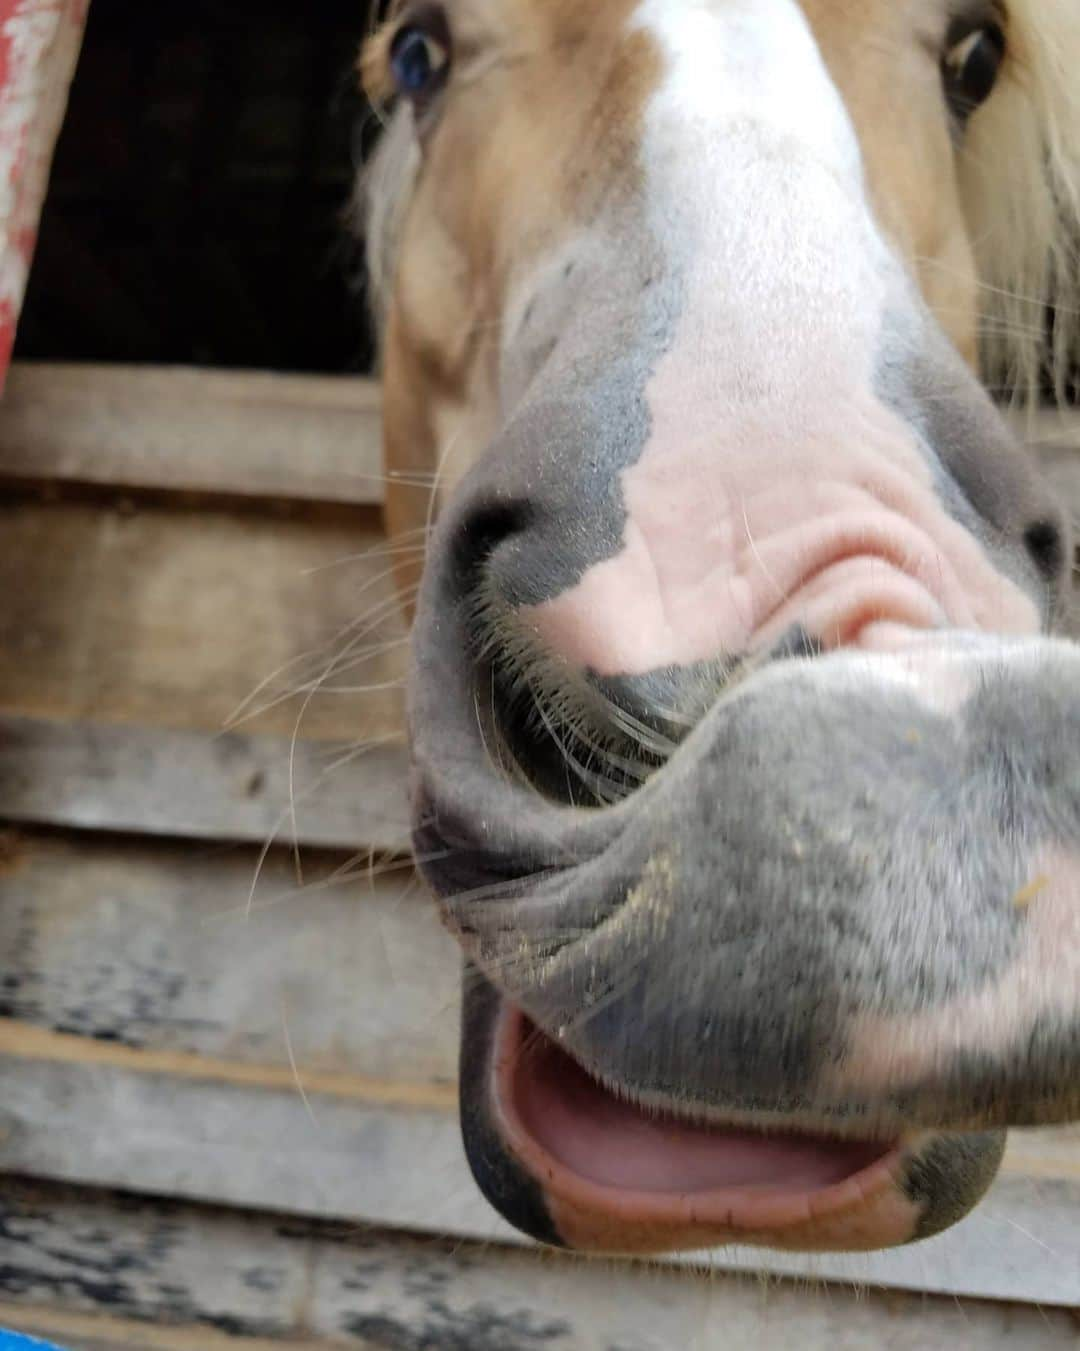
39, 45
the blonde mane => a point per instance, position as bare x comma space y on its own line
1019, 174
382, 196
1020, 184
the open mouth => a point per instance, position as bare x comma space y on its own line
781, 990
625, 1177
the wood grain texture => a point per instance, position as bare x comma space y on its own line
247, 434
152, 947
101, 1264
154, 781
174, 619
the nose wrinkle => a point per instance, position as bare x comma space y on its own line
685, 588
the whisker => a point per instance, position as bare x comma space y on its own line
293, 1066
241, 714
390, 550
372, 619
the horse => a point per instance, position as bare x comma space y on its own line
743, 751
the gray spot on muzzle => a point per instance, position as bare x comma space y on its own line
983, 478
762, 899
949, 1175
585, 421
823, 849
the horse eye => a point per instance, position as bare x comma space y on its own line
420, 55
971, 66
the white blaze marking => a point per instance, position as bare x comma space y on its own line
775, 487
755, 178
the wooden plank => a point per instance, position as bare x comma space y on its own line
403, 1167
101, 1270
191, 784
93, 1332
253, 435
174, 619
250, 435
153, 946
39, 45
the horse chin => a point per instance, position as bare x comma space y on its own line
610, 1175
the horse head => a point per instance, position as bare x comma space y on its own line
745, 768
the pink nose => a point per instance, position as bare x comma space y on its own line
721, 558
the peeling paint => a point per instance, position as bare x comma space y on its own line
39, 45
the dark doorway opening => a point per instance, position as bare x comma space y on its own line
195, 211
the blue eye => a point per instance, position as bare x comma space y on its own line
420, 57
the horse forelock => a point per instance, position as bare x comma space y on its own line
380, 200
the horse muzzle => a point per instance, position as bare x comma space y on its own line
789, 983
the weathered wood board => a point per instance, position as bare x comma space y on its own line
168, 618
244, 434
249, 435
87, 1268
203, 787
175, 948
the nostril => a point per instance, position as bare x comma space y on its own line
537, 730
564, 738
481, 532
1045, 543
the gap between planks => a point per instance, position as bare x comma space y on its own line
23, 1041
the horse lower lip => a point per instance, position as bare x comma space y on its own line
589, 1145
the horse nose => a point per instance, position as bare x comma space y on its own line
820, 868
574, 731
641, 591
